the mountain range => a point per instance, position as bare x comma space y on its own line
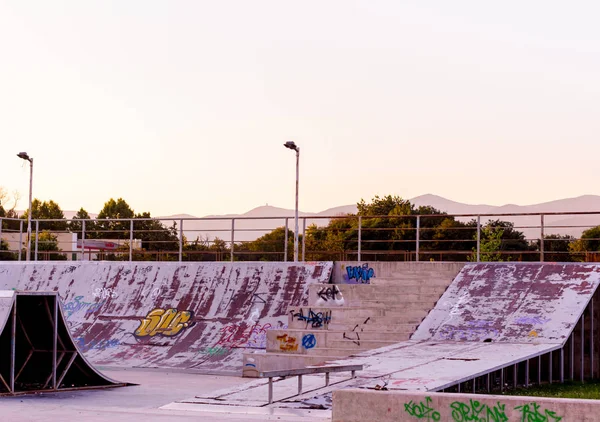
264, 217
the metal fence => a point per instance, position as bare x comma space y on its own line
460, 237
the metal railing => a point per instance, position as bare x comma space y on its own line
440, 237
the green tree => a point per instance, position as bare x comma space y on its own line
76, 225
587, 247
47, 210
269, 247
48, 249
162, 241
114, 229
557, 248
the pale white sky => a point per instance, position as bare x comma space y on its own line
183, 106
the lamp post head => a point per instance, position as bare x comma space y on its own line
24, 156
291, 145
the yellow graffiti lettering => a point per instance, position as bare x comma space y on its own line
164, 322
287, 344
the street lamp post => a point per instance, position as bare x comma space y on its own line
25, 156
291, 145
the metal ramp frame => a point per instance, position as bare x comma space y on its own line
37, 350
571, 361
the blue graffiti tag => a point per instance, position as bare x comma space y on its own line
364, 273
103, 344
77, 305
309, 341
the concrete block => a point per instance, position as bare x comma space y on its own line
354, 405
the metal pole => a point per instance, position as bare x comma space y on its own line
359, 237
592, 338
515, 376
296, 210
539, 374
1, 234
232, 236
37, 237
285, 241
29, 212
82, 240
527, 373
418, 237
501, 380
180, 240
542, 239
572, 353
303, 238
20, 238
478, 237
550, 377
55, 343
562, 365
130, 240
13, 345
582, 368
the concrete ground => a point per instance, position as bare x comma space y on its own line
143, 402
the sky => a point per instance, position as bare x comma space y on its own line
184, 106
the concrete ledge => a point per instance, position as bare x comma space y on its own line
354, 405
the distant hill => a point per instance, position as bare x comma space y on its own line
264, 217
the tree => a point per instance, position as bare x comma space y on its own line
557, 248
269, 247
48, 246
587, 246
114, 229
8, 211
5, 254
47, 210
156, 237
76, 225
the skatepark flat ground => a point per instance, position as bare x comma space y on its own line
143, 402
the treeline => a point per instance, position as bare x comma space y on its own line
388, 232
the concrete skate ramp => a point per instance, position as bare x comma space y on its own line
193, 316
492, 316
512, 303
37, 353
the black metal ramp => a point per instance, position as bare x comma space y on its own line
37, 353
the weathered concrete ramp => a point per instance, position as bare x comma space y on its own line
514, 303
492, 317
37, 353
193, 316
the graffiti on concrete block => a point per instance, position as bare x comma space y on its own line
532, 413
330, 295
361, 274
477, 411
164, 322
309, 341
471, 331
422, 411
354, 335
314, 319
287, 343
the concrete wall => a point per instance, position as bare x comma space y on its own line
355, 405
193, 316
